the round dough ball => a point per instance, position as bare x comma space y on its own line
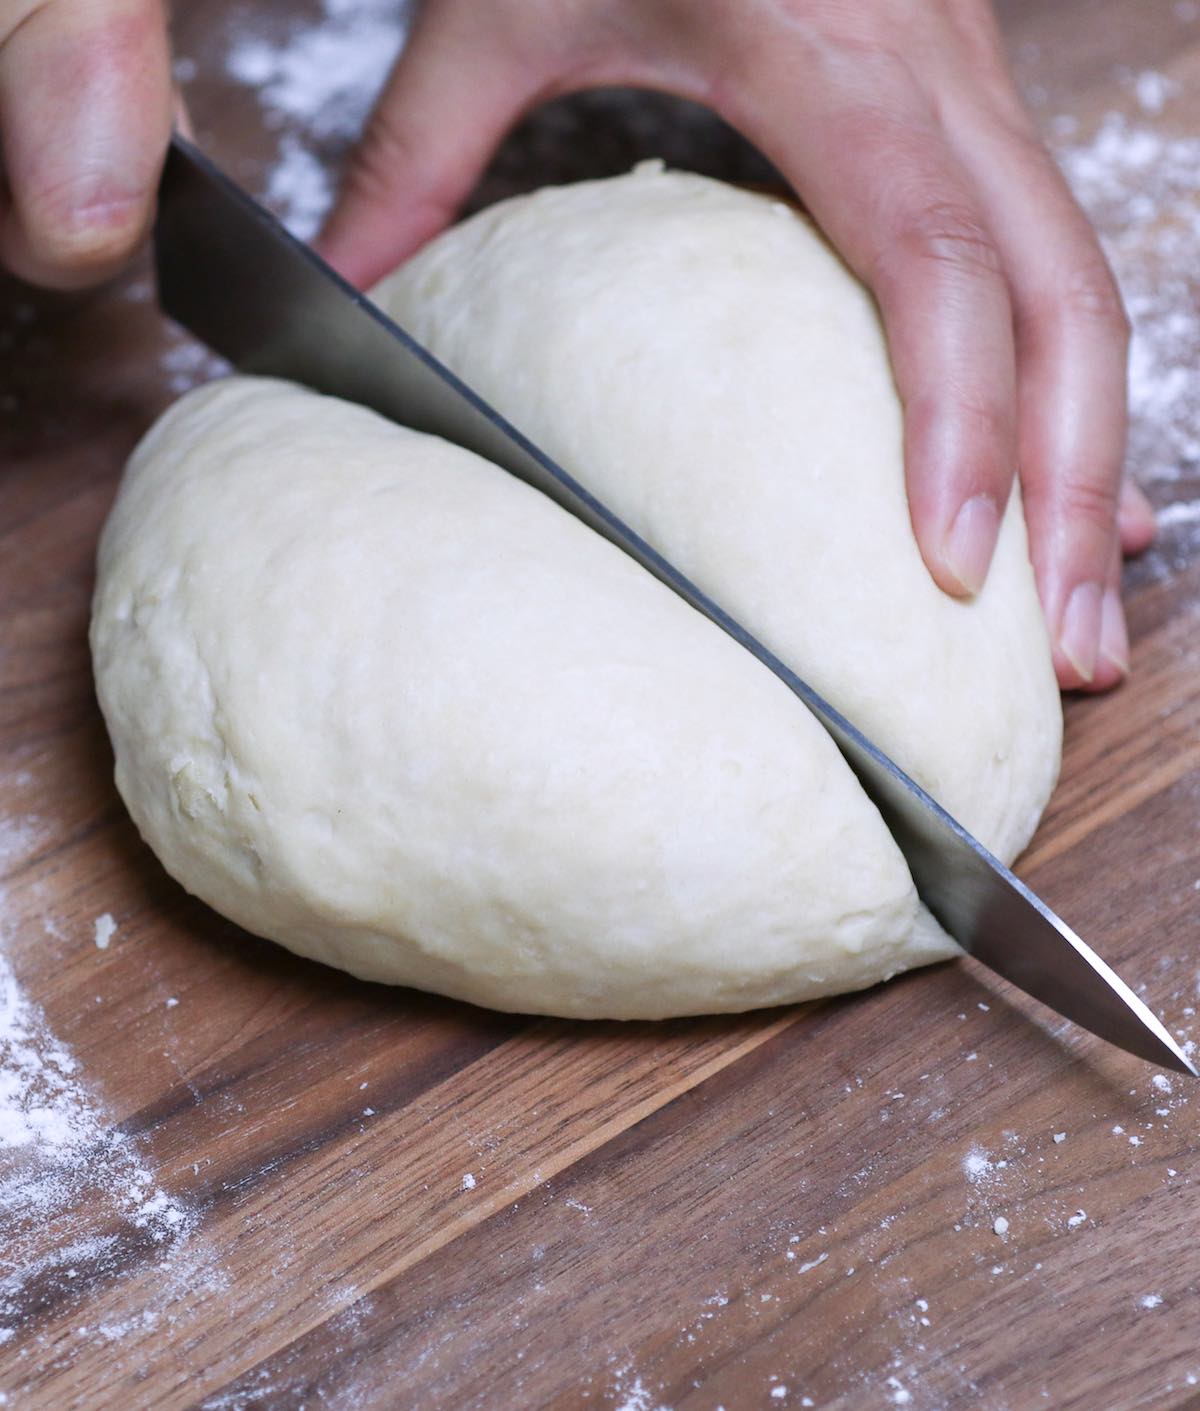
376, 699
699, 358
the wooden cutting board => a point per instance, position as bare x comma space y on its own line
243, 1180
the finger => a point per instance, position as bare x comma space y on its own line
1112, 658
1136, 524
451, 98
1072, 339
85, 114
864, 150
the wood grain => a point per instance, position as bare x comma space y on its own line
389, 1200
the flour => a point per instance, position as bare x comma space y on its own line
977, 1165
897, 1392
64, 1168
76, 1194
634, 1394
104, 928
300, 187
325, 75
1138, 184
812, 1263
188, 363
316, 84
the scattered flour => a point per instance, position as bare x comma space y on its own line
188, 364
325, 75
73, 1189
977, 1164
104, 929
1138, 184
299, 187
1150, 1300
315, 84
812, 1263
635, 1395
898, 1392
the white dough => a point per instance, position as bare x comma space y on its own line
377, 700
700, 358
374, 698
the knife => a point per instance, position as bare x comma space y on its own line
231, 274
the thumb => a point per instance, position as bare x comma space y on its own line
451, 97
85, 114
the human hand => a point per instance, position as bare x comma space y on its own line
898, 124
85, 116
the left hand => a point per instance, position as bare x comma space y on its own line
900, 128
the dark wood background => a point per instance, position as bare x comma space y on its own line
375, 1198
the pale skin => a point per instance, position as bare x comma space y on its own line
897, 123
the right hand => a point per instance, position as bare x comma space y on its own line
85, 116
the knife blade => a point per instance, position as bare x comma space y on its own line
230, 273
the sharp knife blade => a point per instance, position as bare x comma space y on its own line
229, 272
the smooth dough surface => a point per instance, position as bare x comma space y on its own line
375, 699
699, 357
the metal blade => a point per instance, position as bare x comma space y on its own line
229, 272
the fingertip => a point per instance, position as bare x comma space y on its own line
1077, 644
94, 238
83, 244
1091, 650
1114, 637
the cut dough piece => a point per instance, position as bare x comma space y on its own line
374, 698
699, 358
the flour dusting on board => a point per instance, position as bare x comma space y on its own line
1138, 184
79, 1205
633, 1393
65, 1171
316, 83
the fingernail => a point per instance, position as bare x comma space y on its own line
971, 541
1114, 639
1079, 631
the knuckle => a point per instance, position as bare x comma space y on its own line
949, 235
1089, 293
1088, 501
383, 157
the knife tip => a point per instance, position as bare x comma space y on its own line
1174, 1058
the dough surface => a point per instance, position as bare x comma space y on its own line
698, 357
372, 697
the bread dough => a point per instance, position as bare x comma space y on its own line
374, 698
699, 358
